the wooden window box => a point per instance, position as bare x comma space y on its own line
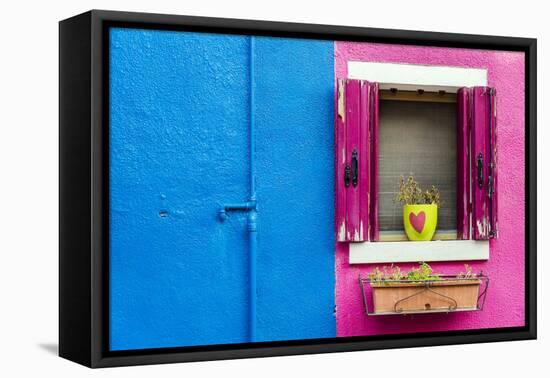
449, 294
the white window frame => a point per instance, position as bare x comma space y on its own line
428, 78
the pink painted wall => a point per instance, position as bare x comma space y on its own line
504, 306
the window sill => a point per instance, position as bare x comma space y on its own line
416, 251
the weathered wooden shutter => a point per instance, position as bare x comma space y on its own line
352, 158
463, 164
374, 160
484, 163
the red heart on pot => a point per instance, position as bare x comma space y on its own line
417, 221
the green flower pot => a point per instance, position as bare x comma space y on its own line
420, 221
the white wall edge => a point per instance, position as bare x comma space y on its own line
408, 76
417, 251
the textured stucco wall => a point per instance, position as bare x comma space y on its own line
294, 118
178, 145
179, 125
505, 300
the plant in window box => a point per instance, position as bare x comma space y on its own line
419, 209
421, 290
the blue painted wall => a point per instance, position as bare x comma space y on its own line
294, 123
179, 105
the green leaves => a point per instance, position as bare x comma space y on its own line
423, 273
387, 275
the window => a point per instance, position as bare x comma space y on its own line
378, 138
417, 138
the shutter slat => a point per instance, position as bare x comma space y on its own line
494, 170
353, 121
340, 161
483, 155
463, 165
365, 158
352, 156
374, 161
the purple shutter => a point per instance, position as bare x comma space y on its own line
365, 158
483, 163
373, 141
352, 158
463, 164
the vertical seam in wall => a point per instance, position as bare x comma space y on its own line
252, 119
252, 218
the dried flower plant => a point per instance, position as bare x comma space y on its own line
376, 275
410, 193
392, 273
468, 274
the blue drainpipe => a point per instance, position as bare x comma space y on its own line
250, 207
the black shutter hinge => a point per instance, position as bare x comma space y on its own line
354, 168
351, 173
480, 170
347, 175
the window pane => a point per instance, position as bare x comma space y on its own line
417, 138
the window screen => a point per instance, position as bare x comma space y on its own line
417, 138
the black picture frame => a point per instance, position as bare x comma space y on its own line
83, 195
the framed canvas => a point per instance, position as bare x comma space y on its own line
234, 188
